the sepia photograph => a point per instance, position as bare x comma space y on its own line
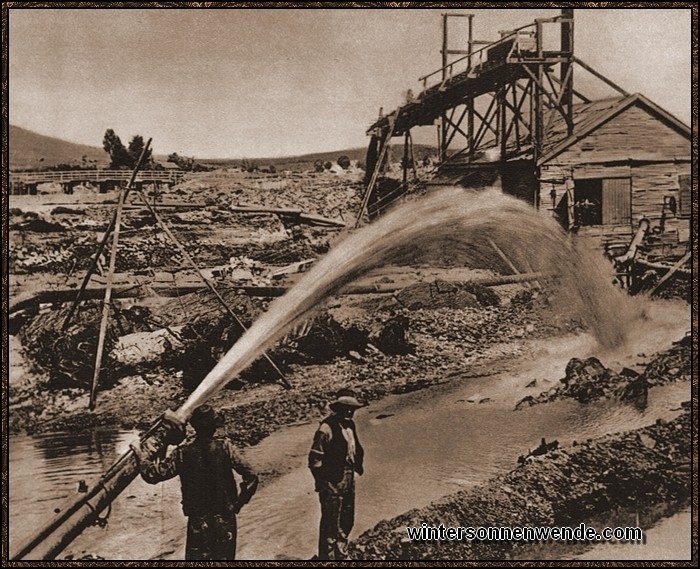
385, 282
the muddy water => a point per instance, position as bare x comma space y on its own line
420, 446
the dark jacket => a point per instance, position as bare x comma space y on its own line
332, 451
205, 467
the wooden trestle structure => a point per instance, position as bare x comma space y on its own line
503, 96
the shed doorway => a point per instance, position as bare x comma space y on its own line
602, 201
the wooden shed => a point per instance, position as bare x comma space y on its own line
627, 160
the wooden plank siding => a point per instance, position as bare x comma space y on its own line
616, 201
633, 135
641, 160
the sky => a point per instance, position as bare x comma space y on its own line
237, 83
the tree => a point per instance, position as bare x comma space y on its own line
135, 148
113, 146
125, 157
343, 162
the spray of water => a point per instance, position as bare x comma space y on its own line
453, 222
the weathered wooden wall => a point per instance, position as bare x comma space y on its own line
636, 145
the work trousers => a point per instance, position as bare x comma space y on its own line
211, 537
337, 517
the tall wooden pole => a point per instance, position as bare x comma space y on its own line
406, 153
110, 277
442, 133
103, 243
106, 305
567, 79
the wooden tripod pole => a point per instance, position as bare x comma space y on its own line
107, 301
188, 258
110, 277
103, 243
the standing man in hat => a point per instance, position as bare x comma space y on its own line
336, 455
210, 497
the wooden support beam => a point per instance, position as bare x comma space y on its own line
413, 156
456, 125
456, 129
375, 175
470, 125
538, 138
582, 97
602, 77
485, 124
503, 106
517, 114
517, 117
540, 90
671, 272
486, 119
406, 155
561, 110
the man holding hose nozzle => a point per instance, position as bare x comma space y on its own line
210, 497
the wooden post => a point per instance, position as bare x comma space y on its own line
107, 300
405, 158
538, 96
602, 77
567, 79
442, 134
412, 155
375, 175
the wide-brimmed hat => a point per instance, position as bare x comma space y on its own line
347, 398
348, 401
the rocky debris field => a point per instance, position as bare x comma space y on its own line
423, 334
158, 351
563, 487
589, 380
62, 239
323, 193
156, 355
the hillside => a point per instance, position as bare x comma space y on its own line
306, 161
32, 150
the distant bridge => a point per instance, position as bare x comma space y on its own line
27, 182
